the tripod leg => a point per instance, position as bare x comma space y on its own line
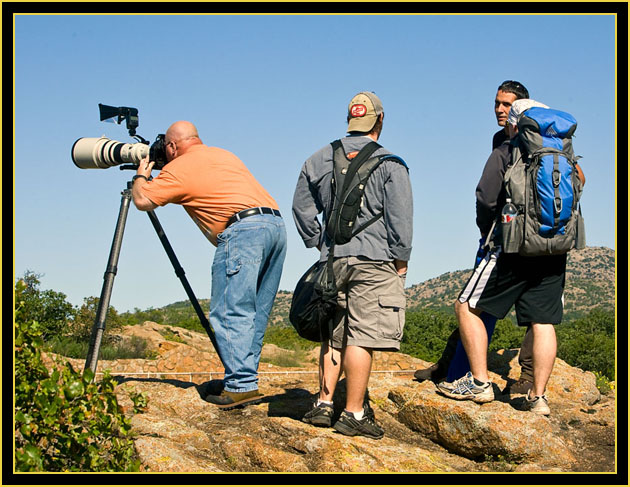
179, 272
108, 283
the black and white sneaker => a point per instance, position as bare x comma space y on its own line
366, 426
320, 415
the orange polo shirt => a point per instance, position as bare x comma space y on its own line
211, 184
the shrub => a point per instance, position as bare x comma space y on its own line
507, 335
83, 322
133, 347
286, 337
603, 384
63, 420
589, 342
49, 308
426, 332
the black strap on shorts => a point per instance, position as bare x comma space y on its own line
259, 210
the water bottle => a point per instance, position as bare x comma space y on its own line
509, 211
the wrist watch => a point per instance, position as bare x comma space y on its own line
133, 179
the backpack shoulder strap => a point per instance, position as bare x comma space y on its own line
364, 173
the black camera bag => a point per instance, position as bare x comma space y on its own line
314, 302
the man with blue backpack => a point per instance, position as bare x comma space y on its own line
536, 184
453, 362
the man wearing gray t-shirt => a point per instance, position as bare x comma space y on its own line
369, 270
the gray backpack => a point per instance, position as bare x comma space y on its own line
542, 182
348, 186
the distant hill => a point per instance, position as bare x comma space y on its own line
590, 284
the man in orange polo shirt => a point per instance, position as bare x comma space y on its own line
242, 220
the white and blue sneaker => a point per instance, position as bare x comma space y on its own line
466, 388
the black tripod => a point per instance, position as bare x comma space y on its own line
110, 273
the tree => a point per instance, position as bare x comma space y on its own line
49, 308
506, 335
426, 332
589, 342
86, 315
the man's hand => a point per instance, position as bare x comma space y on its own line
580, 174
145, 167
401, 266
142, 202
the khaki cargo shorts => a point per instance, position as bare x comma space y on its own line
370, 304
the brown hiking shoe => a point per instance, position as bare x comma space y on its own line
435, 373
521, 386
229, 400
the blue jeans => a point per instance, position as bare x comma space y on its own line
245, 277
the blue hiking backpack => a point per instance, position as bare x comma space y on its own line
542, 182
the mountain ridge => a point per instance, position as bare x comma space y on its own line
590, 284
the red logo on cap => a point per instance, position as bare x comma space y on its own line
358, 110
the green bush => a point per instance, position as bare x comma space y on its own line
426, 332
604, 385
49, 308
138, 316
83, 322
134, 347
507, 335
286, 337
589, 342
63, 420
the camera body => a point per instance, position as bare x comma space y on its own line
157, 152
102, 152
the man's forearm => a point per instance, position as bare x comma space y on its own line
140, 179
142, 202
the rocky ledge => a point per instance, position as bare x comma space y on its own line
424, 431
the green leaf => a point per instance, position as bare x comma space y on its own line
74, 389
88, 375
30, 457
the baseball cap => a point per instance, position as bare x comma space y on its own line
363, 111
519, 106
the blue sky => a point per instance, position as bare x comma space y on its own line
273, 89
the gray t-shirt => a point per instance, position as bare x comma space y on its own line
388, 190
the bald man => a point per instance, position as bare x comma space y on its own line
240, 218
